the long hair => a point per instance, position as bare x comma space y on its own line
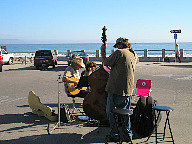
90, 64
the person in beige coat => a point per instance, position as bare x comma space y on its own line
121, 80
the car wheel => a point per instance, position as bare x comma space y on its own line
10, 61
55, 63
0, 68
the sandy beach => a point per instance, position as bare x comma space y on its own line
171, 86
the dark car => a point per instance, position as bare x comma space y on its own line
45, 58
81, 54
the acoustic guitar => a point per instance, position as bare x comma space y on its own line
72, 88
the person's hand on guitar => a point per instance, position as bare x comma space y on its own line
72, 83
75, 82
71, 80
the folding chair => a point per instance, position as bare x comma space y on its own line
143, 88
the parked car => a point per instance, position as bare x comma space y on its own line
7, 58
81, 54
1, 63
45, 58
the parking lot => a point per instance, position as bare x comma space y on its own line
171, 86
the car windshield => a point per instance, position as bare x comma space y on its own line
43, 53
78, 53
4, 52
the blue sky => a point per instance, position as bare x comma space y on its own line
81, 21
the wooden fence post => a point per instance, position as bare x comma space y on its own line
145, 52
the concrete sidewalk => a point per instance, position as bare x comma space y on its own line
171, 86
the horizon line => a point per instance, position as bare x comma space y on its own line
87, 43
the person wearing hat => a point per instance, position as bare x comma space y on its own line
72, 71
120, 82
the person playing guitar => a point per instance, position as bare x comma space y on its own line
71, 77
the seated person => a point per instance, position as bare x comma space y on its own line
90, 67
71, 77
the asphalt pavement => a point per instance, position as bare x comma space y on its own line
171, 86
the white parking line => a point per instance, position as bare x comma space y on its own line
3, 97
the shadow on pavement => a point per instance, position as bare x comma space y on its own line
24, 68
92, 134
56, 69
27, 118
63, 138
71, 137
77, 105
180, 66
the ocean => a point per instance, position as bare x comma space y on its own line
90, 48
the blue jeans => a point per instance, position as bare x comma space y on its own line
114, 101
